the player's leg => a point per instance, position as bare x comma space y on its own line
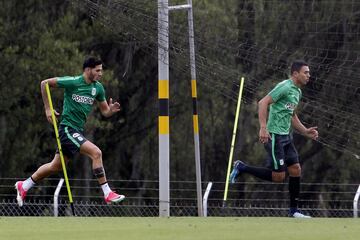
294, 170
94, 153
260, 172
71, 141
48, 169
275, 170
294, 186
45, 170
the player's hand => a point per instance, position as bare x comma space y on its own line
114, 107
49, 117
264, 135
312, 133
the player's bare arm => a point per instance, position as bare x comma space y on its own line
52, 83
108, 109
307, 132
263, 105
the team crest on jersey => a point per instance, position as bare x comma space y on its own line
93, 91
290, 106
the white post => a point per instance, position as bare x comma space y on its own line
195, 111
206, 195
189, 9
356, 200
56, 197
164, 125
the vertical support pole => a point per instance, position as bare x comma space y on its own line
195, 112
356, 200
164, 129
206, 196
56, 197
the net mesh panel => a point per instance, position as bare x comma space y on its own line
245, 199
259, 43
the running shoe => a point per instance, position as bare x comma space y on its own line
113, 197
238, 167
21, 193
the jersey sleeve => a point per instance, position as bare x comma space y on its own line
278, 91
100, 97
66, 82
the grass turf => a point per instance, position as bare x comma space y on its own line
134, 228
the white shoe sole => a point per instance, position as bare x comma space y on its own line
300, 215
18, 196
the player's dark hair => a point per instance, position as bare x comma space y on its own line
91, 62
297, 65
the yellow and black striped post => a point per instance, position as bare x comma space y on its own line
164, 133
197, 147
195, 109
163, 91
164, 107
194, 100
164, 151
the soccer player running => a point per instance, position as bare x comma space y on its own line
275, 135
79, 95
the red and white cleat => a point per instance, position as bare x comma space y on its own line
113, 197
21, 193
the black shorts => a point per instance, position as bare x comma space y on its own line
281, 152
71, 140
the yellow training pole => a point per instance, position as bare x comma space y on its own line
60, 149
233, 140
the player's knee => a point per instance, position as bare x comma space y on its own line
295, 170
97, 154
278, 176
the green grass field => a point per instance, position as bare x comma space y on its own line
134, 228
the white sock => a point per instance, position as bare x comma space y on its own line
106, 189
28, 183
